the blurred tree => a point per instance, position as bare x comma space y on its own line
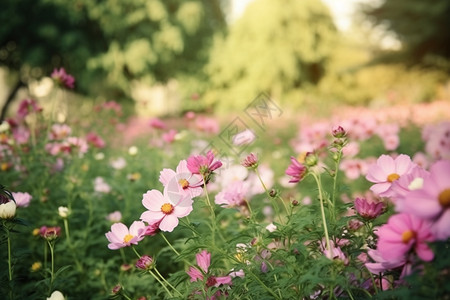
421, 26
275, 47
108, 44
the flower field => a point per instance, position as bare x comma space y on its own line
257, 205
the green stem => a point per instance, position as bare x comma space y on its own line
213, 214
161, 283
274, 203
322, 210
265, 286
168, 283
135, 251
9, 254
52, 271
336, 171
170, 245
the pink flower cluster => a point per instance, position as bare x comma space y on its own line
422, 202
165, 208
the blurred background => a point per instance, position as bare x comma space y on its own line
167, 57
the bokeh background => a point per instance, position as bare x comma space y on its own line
168, 57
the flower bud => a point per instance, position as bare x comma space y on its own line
339, 132
251, 161
145, 262
63, 212
7, 207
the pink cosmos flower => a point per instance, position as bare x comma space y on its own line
208, 125
59, 132
233, 195
368, 209
22, 199
120, 236
95, 140
402, 233
182, 181
203, 262
165, 209
204, 165
432, 201
100, 185
380, 265
115, 216
21, 134
157, 123
169, 137
353, 168
406, 183
50, 233
145, 262
26, 107
437, 138
251, 161
296, 170
386, 171
62, 78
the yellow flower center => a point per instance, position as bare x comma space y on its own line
167, 208
301, 157
407, 236
393, 177
444, 198
184, 183
128, 238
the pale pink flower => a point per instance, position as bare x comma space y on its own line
386, 171
62, 78
115, 216
182, 181
353, 168
406, 183
165, 209
351, 149
21, 134
120, 236
432, 201
403, 233
245, 137
100, 185
437, 139
389, 135
59, 132
208, 125
421, 160
233, 195
22, 199
75, 145
118, 163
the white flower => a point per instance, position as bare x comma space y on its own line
4, 126
133, 150
99, 156
63, 211
56, 295
7, 210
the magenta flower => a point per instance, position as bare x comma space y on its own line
181, 181
62, 78
386, 171
432, 201
368, 209
251, 161
169, 136
26, 107
95, 140
204, 165
204, 261
403, 233
22, 199
296, 170
157, 123
145, 262
165, 209
120, 236
50, 233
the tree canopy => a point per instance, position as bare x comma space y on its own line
421, 26
275, 47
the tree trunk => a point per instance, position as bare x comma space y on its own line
10, 98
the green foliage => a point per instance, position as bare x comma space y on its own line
275, 47
421, 26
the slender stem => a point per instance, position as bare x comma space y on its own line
170, 245
9, 254
322, 210
168, 283
135, 251
265, 286
52, 271
161, 283
274, 203
336, 171
211, 208
69, 242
